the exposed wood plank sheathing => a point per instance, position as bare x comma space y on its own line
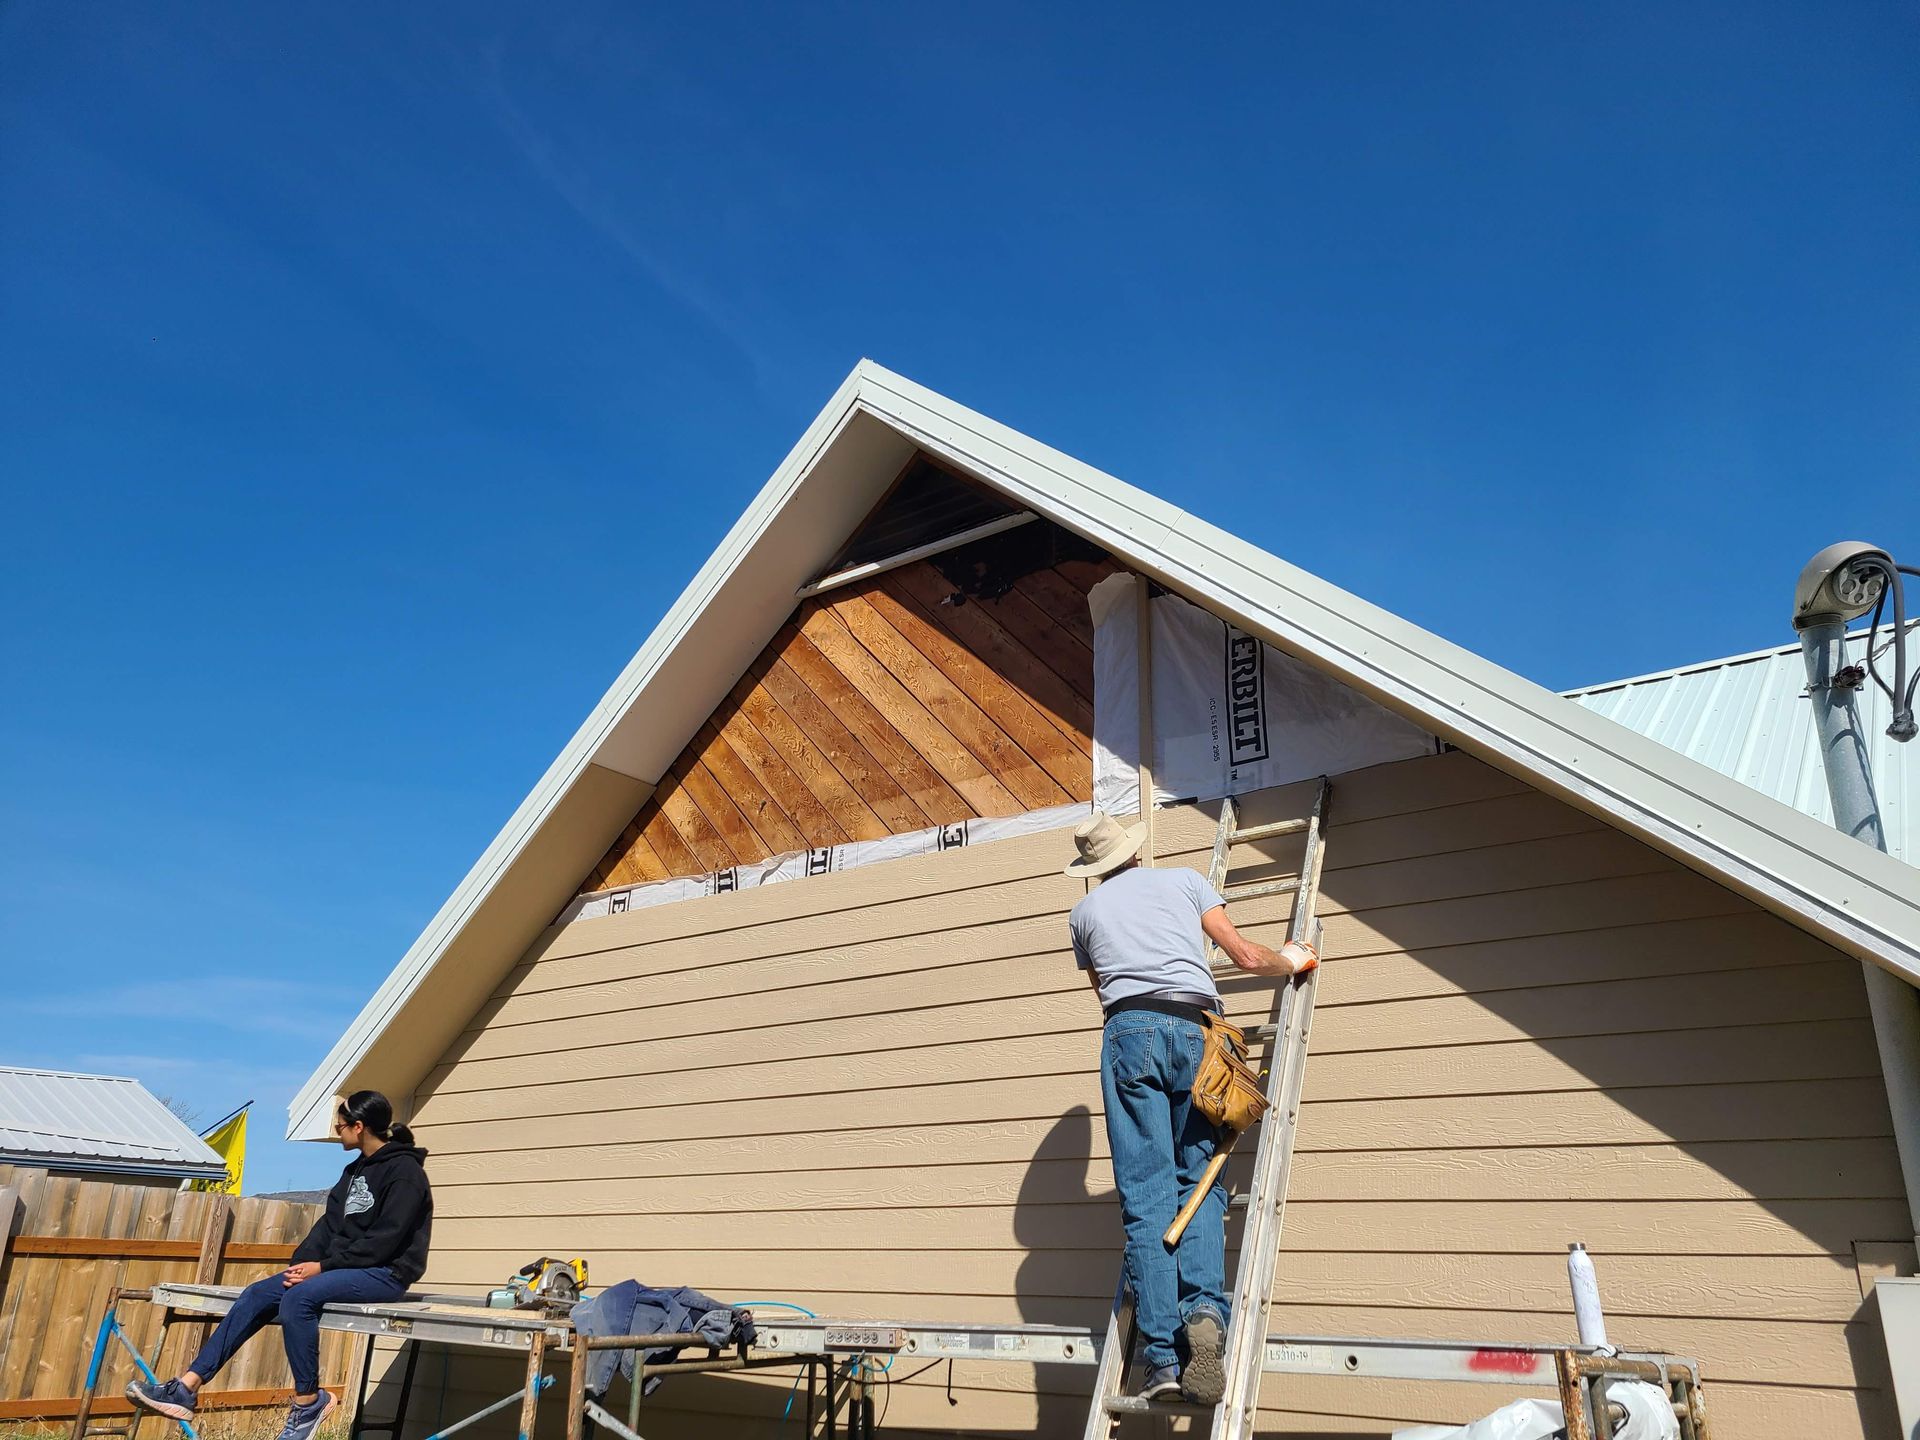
879, 709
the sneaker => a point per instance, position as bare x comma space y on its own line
167, 1397
1204, 1380
1163, 1383
303, 1420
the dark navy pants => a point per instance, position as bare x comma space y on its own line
297, 1308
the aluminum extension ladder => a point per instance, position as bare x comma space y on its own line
1266, 1197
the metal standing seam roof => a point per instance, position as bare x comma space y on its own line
69, 1121
1747, 717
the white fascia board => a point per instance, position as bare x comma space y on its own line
599, 740
1848, 894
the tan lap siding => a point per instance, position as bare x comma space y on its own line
874, 1094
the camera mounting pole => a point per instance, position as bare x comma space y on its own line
1842, 583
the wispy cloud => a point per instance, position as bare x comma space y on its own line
564, 173
204, 1072
243, 1004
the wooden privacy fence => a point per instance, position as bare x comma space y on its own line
67, 1242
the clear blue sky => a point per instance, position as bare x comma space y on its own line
372, 377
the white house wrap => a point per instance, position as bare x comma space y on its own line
1230, 714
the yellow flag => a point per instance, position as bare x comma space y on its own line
229, 1137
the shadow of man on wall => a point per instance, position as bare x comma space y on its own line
1068, 1228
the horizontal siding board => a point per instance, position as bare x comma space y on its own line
1609, 1227
670, 974
858, 1017
1793, 1110
916, 1171
1495, 870
1788, 1051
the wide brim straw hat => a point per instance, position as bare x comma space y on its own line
1105, 844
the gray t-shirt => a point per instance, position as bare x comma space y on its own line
1140, 934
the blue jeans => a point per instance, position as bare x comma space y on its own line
297, 1307
1160, 1146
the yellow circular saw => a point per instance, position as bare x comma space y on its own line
545, 1281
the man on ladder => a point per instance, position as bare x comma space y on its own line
1141, 936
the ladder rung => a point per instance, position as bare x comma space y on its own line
1267, 832
1134, 1405
1266, 887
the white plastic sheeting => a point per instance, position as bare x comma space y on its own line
1522, 1420
1649, 1417
1230, 713
826, 860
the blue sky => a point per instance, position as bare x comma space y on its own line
371, 378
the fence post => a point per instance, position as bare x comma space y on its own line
213, 1244
11, 1209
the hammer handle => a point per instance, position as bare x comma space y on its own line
1192, 1207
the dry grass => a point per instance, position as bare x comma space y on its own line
213, 1425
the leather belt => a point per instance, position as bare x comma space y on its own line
1185, 1006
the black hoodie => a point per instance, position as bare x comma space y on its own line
380, 1212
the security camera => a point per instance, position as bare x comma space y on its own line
1843, 582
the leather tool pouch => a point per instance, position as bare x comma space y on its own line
1226, 1089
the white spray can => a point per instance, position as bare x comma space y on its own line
1586, 1299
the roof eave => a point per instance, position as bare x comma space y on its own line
107, 1165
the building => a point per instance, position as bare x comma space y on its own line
1745, 717
105, 1126
765, 987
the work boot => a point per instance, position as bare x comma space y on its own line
1163, 1383
1204, 1380
166, 1397
303, 1420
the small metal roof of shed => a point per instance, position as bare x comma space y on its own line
1747, 717
108, 1123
